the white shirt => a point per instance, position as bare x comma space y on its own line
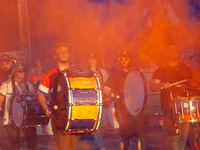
6, 89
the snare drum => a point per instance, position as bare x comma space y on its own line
77, 102
186, 109
25, 111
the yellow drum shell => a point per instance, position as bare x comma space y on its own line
85, 112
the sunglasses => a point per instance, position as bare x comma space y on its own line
123, 59
20, 71
63, 52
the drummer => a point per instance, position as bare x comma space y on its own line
171, 72
129, 125
16, 85
63, 141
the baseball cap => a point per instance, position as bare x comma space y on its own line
92, 55
125, 54
16, 67
59, 48
5, 58
38, 62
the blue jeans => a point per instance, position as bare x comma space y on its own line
177, 141
98, 136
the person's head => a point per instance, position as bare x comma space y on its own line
125, 59
38, 64
18, 72
172, 52
62, 54
5, 63
92, 60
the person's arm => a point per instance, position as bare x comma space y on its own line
43, 103
1, 101
109, 93
156, 85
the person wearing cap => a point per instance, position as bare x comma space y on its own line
5, 67
64, 141
103, 76
5, 70
129, 125
36, 76
164, 78
16, 84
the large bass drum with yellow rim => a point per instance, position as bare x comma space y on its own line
77, 102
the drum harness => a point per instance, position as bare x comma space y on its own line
26, 89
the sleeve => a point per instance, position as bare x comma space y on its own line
4, 88
44, 85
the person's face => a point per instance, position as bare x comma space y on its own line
19, 74
63, 55
125, 62
38, 67
92, 62
172, 53
6, 65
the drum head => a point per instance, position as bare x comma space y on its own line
16, 110
134, 92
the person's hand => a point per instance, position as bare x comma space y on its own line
0, 109
47, 111
166, 85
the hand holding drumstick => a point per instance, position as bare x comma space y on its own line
166, 85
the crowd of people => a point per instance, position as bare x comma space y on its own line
14, 80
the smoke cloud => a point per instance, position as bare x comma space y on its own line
105, 27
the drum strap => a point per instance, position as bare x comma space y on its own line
15, 88
60, 79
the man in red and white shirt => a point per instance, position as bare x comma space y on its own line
38, 73
64, 141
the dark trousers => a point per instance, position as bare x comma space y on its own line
130, 126
31, 137
13, 136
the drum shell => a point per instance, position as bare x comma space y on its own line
79, 109
186, 110
35, 115
29, 112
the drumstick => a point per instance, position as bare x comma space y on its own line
175, 83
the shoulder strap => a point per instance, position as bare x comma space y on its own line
13, 86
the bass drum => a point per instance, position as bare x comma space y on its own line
135, 92
77, 102
25, 111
